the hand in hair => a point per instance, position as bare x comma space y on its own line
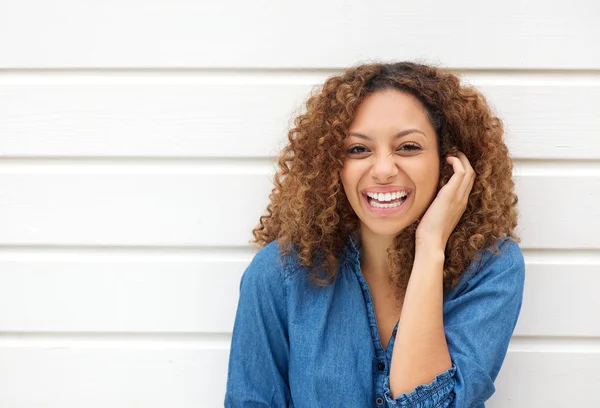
447, 208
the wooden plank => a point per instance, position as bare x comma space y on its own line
201, 297
125, 377
114, 377
128, 297
559, 211
248, 115
546, 379
200, 120
155, 208
132, 209
548, 121
133, 33
558, 299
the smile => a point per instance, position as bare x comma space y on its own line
385, 204
383, 197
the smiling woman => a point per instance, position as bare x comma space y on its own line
389, 272
400, 156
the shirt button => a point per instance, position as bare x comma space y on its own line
381, 366
379, 401
394, 333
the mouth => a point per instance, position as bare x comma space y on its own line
385, 207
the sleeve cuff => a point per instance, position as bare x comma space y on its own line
437, 393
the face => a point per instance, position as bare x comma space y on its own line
391, 169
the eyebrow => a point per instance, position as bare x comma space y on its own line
396, 136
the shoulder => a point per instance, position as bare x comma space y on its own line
505, 255
269, 267
501, 266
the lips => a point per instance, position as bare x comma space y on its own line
386, 189
385, 211
392, 201
387, 197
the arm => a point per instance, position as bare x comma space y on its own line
420, 351
258, 360
480, 315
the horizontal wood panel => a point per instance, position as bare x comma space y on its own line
134, 33
558, 300
557, 211
247, 116
125, 297
530, 379
203, 120
551, 121
189, 297
221, 209
131, 209
79, 376
172, 209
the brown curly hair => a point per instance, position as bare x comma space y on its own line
308, 207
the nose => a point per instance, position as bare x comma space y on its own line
384, 168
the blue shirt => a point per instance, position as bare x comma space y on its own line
296, 344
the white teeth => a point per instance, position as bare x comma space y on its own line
387, 196
379, 205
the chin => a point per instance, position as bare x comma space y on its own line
386, 229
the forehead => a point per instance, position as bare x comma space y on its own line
390, 110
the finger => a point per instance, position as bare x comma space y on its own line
453, 185
469, 178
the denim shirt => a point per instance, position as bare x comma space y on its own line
296, 344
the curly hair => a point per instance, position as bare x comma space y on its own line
308, 207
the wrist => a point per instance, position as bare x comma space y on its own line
430, 241
431, 253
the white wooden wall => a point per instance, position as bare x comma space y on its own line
136, 146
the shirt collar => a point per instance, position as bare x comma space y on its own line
353, 249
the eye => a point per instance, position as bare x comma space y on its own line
356, 149
409, 147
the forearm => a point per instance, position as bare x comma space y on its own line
420, 350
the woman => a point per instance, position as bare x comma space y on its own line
390, 273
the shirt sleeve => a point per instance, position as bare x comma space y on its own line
480, 315
259, 354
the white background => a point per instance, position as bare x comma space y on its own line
137, 141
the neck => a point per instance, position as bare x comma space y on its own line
374, 259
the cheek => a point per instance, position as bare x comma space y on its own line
346, 182
349, 176
426, 176
344, 177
